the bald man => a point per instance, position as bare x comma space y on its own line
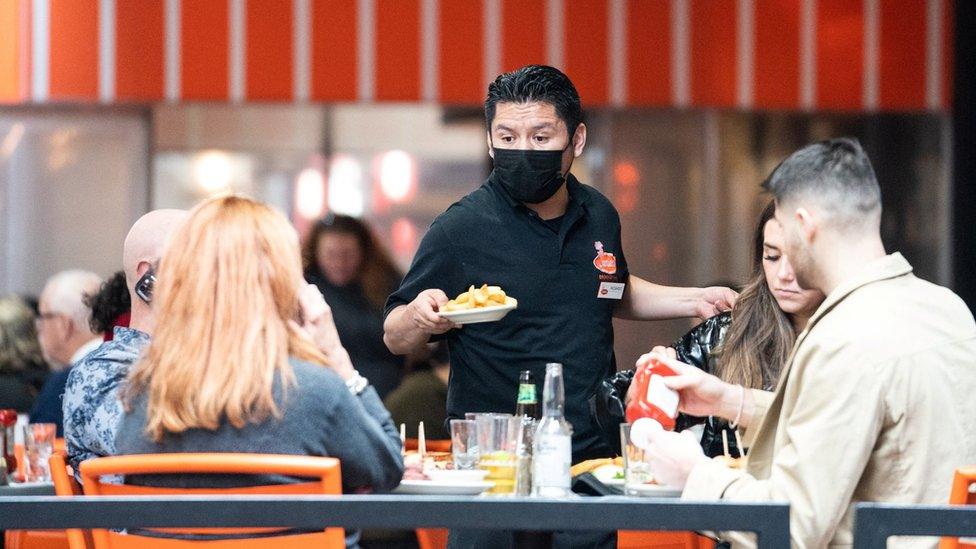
64, 335
92, 408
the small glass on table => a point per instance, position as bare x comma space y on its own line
498, 445
637, 472
38, 447
464, 443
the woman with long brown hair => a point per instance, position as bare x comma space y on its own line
747, 346
244, 358
349, 266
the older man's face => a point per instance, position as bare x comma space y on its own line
51, 330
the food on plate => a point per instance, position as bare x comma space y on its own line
590, 465
485, 296
415, 467
731, 462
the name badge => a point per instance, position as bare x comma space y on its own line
611, 290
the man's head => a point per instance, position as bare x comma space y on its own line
827, 197
142, 249
62, 322
535, 108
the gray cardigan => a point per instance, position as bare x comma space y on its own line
319, 417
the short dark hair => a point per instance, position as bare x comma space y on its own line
111, 302
540, 83
837, 172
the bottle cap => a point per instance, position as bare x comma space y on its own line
642, 430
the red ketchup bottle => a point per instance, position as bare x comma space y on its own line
8, 419
655, 405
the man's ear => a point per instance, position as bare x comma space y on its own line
491, 150
807, 224
579, 140
142, 267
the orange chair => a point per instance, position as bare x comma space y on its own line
432, 538
324, 470
66, 485
962, 493
432, 445
635, 539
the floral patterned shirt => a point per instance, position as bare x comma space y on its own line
92, 409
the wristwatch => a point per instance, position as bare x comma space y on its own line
357, 384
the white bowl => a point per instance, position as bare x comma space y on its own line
456, 475
481, 314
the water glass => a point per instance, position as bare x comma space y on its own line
464, 443
38, 447
498, 446
637, 471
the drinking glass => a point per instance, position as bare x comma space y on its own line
38, 447
637, 471
464, 443
498, 445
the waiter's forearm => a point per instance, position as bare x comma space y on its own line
400, 335
645, 300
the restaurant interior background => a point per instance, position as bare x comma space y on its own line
689, 105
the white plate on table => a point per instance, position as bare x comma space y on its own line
439, 488
652, 491
481, 314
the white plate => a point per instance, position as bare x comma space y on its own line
481, 314
652, 491
432, 487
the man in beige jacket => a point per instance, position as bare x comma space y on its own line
877, 402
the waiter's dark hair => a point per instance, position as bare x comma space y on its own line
540, 83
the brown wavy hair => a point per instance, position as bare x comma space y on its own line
225, 304
378, 275
760, 337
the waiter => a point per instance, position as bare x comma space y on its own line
548, 241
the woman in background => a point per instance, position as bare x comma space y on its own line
355, 275
22, 366
245, 358
747, 346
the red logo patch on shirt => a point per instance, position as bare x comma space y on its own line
604, 262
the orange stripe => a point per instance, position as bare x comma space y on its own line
585, 43
649, 52
334, 58
840, 54
398, 50
74, 49
777, 65
523, 36
902, 55
139, 37
203, 52
10, 51
269, 50
461, 48
948, 49
713, 53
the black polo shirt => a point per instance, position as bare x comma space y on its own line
552, 269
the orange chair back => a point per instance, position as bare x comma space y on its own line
432, 538
325, 470
432, 445
66, 485
636, 539
962, 494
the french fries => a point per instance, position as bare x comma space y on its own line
485, 296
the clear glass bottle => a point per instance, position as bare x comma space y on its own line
552, 444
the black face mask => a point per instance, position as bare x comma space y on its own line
529, 175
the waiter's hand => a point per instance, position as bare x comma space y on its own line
672, 456
715, 300
422, 312
632, 388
